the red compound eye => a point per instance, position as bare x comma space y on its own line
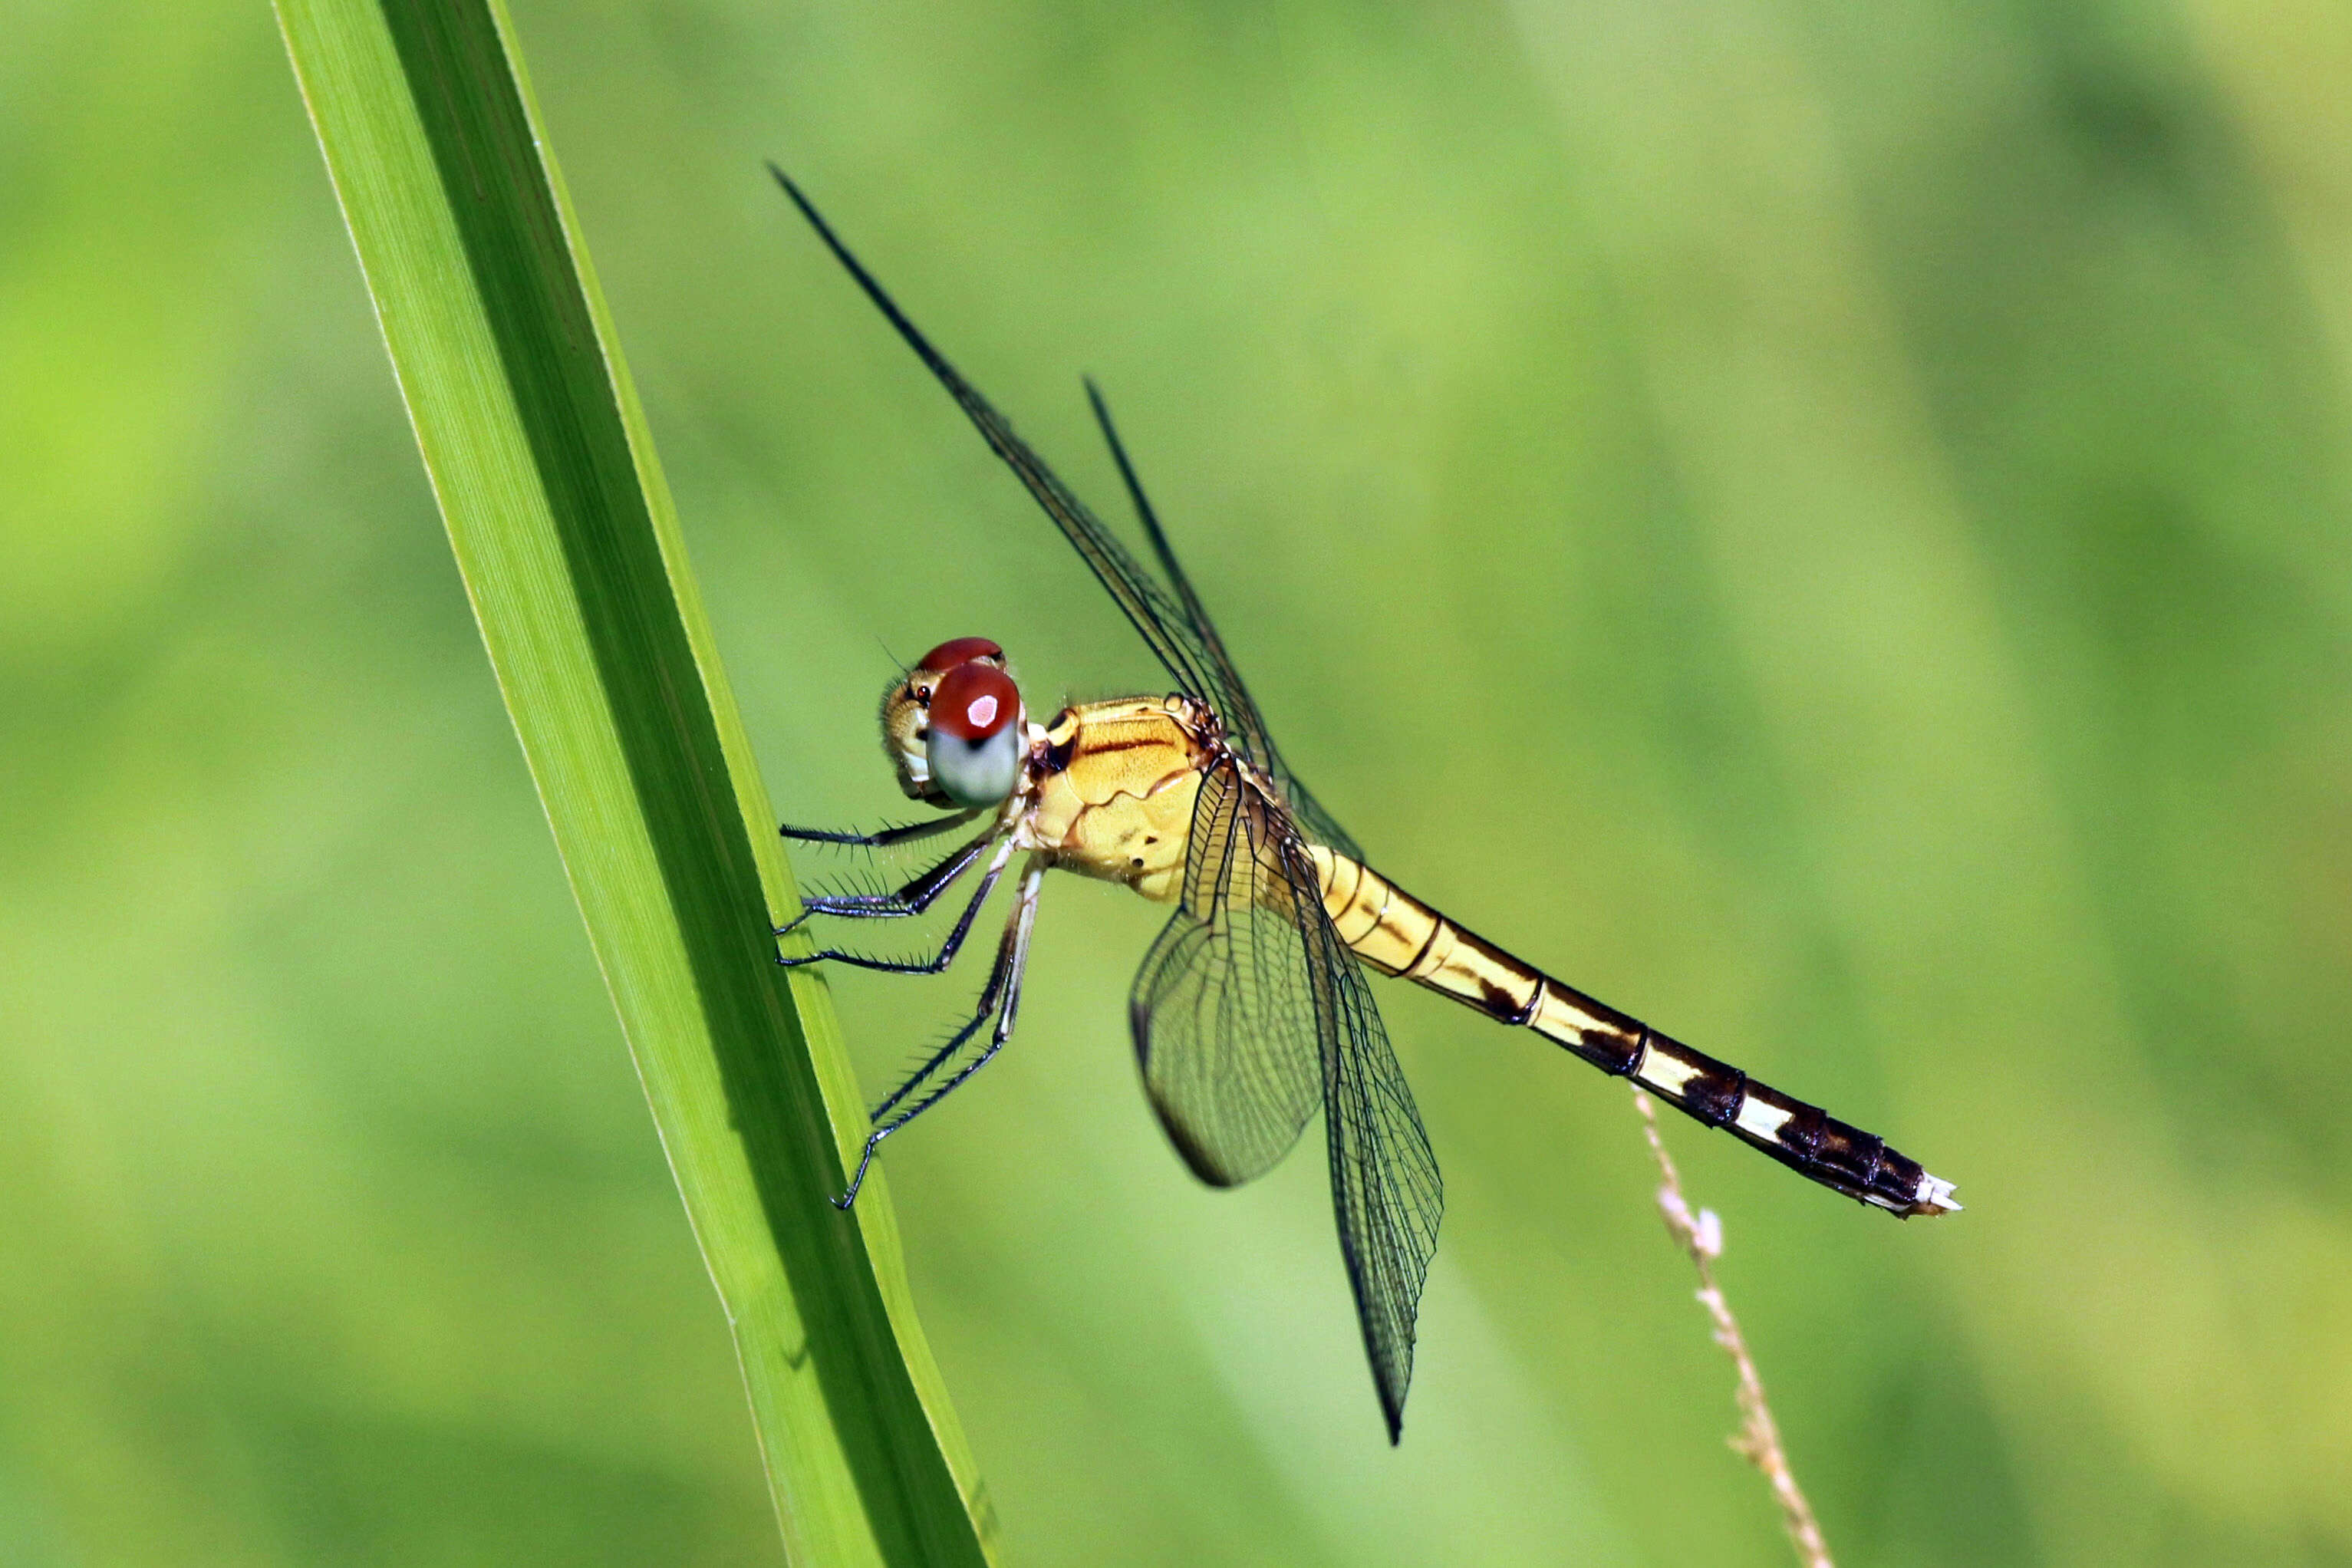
960, 650
975, 701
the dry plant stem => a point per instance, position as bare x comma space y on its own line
1758, 1440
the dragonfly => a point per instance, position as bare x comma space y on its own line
1252, 1009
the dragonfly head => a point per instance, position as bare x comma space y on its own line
953, 725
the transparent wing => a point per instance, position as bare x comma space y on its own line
1147, 604
1386, 1193
1178, 631
1233, 703
1225, 1007
1248, 1009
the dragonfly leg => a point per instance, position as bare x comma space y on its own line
1000, 995
948, 949
916, 895
886, 836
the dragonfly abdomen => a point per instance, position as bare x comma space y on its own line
1397, 934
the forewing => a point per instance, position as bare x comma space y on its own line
1161, 624
1178, 631
1386, 1192
1229, 695
1224, 1010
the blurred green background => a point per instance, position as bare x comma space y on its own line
1830, 527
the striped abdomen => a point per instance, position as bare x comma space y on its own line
1397, 934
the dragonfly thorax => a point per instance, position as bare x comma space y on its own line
953, 725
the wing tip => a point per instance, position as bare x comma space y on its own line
791, 188
1188, 1146
1392, 1392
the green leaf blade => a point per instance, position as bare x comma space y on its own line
571, 554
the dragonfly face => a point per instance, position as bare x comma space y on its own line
953, 727
1252, 1011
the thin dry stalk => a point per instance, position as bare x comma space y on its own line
1758, 1438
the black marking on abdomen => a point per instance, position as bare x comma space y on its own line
1801, 1134
1715, 1093
1616, 1047
1495, 1002
1633, 1042
1802, 1137
1835, 1153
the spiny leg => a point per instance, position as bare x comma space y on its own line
888, 837
1000, 995
912, 897
947, 950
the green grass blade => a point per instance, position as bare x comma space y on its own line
563, 530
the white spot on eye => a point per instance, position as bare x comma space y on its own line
982, 712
